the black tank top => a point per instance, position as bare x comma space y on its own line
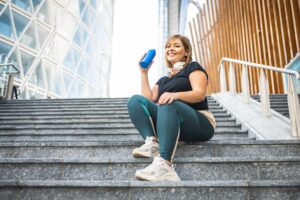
181, 82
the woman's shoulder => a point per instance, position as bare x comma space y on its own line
193, 66
161, 79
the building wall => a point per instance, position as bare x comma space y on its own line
174, 16
260, 31
62, 47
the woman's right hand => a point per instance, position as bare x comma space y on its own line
143, 70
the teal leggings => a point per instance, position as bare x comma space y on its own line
169, 123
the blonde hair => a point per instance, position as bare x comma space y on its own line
187, 47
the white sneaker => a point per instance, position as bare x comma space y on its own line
158, 170
147, 150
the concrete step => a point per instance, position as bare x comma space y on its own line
87, 125
79, 100
37, 120
58, 112
63, 102
279, 103
100, 137
115, 150
90, 115
120, 189
120, 105
205, 168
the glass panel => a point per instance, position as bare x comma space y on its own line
48, 50
24, 4
48, 12
92, 74
83, 69
37, 78
85, 36
1, 7
61, 48
57, 49
15, 60
4, 48
81, 6
86, 18
53, 78
29, 38
27, 61
74, 8
36, 4
77, 37
72, 59
67, 81
68, 61
92, 19
20, 22
6, 25
67, 26
43, 34
81, 37
77, 57
77, 89
93, 3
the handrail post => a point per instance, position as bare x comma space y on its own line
232, 82
222, 78
264, 94
294, 111
245, 86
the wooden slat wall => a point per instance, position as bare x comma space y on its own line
259, 31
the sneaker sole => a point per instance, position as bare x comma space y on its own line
141, 155
150, 178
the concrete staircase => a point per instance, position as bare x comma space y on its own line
81, 149
278, 102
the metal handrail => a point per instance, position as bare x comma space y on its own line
293, 101
287, 71
8, 76
11, 64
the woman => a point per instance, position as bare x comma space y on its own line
174, 109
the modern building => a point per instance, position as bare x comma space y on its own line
62, 47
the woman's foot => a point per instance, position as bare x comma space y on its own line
147, 150
158, 170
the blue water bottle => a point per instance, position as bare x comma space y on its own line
148, 58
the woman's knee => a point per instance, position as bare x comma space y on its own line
170, 106
134, 100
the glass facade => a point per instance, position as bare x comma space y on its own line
163, 34
62, 47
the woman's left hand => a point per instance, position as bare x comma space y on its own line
167, 97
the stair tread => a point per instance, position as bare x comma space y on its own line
147, 160
130, 143
163, 184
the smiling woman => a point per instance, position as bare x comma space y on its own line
135, 32
174, 109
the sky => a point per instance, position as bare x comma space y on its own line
135, 32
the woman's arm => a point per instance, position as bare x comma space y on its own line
145, 86
146, 90
198, 82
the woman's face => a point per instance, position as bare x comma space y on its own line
175, 51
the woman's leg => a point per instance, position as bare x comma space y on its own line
179, 121
142, 113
